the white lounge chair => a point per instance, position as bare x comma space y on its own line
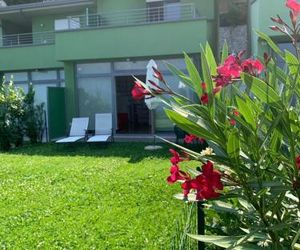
78, 130
103, 128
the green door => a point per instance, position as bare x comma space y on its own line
56, 112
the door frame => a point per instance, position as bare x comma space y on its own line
114, 89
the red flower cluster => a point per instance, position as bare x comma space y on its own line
206, 184
193, 138
204, 98
294, 6
298, 162
234, 113
139, 92
233, 67
175, 159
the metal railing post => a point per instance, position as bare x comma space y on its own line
69, 22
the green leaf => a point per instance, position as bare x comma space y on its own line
262, 90
292, 62
211, 59
297, 246
270, 42
224, 241
183, 77
221, 241
246, 111
191, 127
233, 144
224, 52
194, 74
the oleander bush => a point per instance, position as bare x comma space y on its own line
248, 114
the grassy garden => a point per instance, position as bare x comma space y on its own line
113, 197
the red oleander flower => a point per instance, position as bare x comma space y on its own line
203, 86
231, 67
232, 122
201, 140
294, 6
228, 71
217, 90
298, 162
191, 138
206, 184
236, 112
139, 92
175, 159
177, 175
253, 66
158, 74
204, 99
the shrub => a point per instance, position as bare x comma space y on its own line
11, 115
19, 116
248, 112
33, 117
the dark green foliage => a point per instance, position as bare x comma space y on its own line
19, 116
11, 115
33, 117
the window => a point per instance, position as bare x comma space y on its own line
155, 11
172, 10
168, 10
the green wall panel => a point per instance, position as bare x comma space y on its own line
56, 112
115, 5
260, 13
29, 57
135, 41
70, 92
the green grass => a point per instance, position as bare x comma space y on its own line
113, 197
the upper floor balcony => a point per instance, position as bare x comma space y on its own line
146, 16
25, 39
170, 13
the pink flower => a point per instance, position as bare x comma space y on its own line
203, 85
217, 89
232, 122
204, 99
192, 138
206, 184
253, 66
177, 175
231, 67
158, 74
294, 6
175, 159
236, 112
139, 92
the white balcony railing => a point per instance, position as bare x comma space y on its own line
24, 39
168, 13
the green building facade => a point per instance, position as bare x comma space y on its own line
86, 51
260, 12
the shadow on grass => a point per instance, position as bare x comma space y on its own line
133, 150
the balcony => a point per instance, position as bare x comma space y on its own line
26, 39
173, 13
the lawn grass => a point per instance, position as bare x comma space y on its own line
113, 197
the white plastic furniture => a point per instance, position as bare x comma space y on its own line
78, 130
103, 128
